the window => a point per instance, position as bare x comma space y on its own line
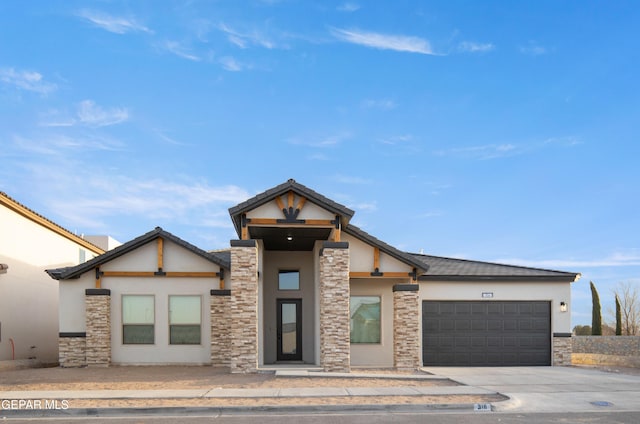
365, 319
289, 280
138, 318
184, 320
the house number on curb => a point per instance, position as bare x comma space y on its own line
482, 407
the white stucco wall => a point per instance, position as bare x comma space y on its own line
28, 296
361, 258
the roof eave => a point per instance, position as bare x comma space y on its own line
570, 278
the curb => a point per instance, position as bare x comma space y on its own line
229, 410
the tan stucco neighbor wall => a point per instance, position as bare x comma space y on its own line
28, 296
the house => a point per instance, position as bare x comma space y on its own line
302, 284
29, 244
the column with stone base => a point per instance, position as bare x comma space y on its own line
98, 325
244, 306
335, 346
406, 326
562, 349
220, 328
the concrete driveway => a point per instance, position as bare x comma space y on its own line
552, 389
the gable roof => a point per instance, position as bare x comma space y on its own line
452, 269
404, 257
290, 185
19, 208
76, 271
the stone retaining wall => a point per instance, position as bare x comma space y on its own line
606, 350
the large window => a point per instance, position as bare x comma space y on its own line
184, 320
365, 319
138, 319
289, 280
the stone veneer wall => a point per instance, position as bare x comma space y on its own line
406, 326
335, 345
220, 328
244, 306
562, 348
72, 350
606, 350
98, 323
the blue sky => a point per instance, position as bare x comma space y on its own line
497, 131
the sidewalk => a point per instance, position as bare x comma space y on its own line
395, 395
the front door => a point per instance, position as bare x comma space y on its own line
289, 329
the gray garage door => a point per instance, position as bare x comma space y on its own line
486, 333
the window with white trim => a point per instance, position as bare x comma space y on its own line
365, 319
138, 319
185, 320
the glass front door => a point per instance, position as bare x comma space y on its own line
289, 329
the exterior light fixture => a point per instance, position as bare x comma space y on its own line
3, 268
563, 307
289, 238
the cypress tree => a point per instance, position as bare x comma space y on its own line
596, 315
618, 317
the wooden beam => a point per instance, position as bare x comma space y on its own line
336, 234
358, 274
193, 274
301, 203
160, 253
128, 274
290, 199
98, 278
164, 274
280, 203
376, 258
308, 222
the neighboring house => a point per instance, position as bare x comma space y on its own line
282, 293
29, 244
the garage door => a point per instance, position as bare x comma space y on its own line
486, 333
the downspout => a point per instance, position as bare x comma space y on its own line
13, 349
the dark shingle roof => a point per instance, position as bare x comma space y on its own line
76, 271
452, 269
290, 185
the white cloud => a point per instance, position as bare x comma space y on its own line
401, 43
57, 145
244, 39
115, 24
348, 7
231, 64
384, 104
346, 179
494, 151
93, 115
26, 80
180, 50
321, 142
533, 49
98, 199
472, 47
616, 259
396, 139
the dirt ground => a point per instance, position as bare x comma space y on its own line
177, 378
